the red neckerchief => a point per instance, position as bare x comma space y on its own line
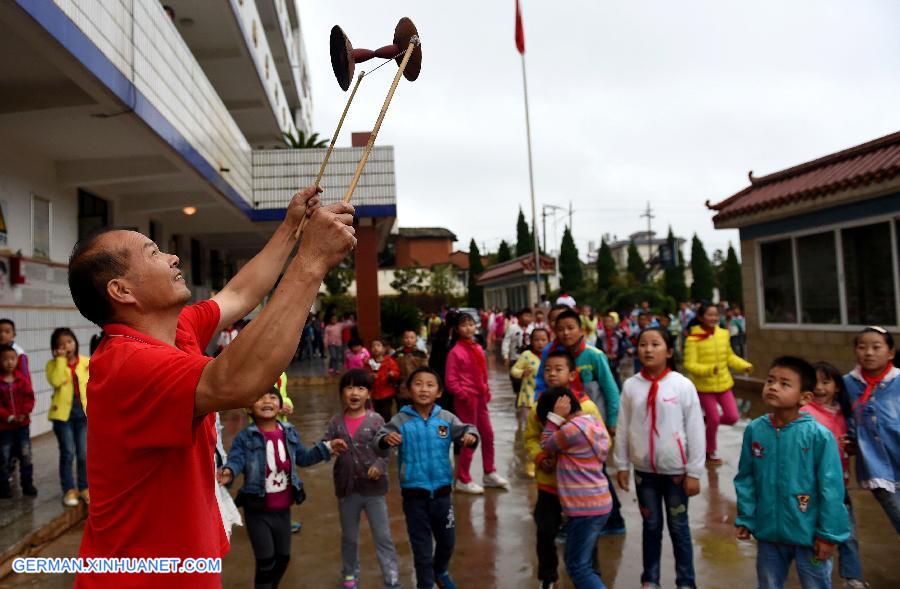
706, 333
76, 397
871, 383
475, 350
651, 407
610, 334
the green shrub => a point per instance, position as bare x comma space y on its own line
397, 315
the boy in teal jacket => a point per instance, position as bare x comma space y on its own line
595, 378
790, 487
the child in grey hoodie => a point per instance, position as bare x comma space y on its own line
360, 480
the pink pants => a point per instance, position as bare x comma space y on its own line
709, 402
473, 410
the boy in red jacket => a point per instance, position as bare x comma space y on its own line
386, 374
16, 403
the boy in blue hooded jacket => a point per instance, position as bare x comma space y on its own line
790, 488
424, 433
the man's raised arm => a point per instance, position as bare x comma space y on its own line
245, 291
253, 361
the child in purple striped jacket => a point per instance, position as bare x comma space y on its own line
581, 443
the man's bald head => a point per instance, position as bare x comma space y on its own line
95, 260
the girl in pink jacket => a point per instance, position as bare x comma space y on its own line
467, 381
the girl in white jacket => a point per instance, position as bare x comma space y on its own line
661, 433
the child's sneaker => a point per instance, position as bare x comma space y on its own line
713, 459
350, 582
471, 487
492, 479
444, 581
650, 586
71, 498
549, 585
296, 527
85, 496
29, 490
855, 584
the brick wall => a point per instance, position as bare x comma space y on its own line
422, 252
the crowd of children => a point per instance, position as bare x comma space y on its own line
67, 373
793, 468
792, 473
567, 372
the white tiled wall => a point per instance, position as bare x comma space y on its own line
33, 329
150, 52
278, 172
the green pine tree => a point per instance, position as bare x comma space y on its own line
476, 292
524, 237
607, 273
571, 273
702, 271
636, 266
504, 254
674, 274
731, 288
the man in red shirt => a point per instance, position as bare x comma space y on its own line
151, 428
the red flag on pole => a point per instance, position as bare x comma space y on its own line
520, 31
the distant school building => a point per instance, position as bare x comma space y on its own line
820, 244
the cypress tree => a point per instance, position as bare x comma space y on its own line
476, 292
674, 274
702, 270
732, 286
504, 254
607, 273
636, 266
524, 237
570, 270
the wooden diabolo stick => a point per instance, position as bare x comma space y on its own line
387, 101
334, 137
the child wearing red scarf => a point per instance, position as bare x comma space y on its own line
661, 433
873, 391
467, 380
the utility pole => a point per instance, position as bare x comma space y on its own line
650, 216
544, 223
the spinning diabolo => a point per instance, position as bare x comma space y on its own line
406, 50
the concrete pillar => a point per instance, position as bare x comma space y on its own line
368, 309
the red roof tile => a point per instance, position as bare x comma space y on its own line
870, 163
522, 264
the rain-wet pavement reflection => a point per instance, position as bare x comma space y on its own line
495, 545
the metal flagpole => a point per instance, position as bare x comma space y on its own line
537, 250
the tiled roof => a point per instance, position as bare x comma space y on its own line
870, 163
521, 265
426, 233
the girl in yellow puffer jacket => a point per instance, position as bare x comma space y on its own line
707, 359
68, 374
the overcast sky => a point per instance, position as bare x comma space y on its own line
667, 102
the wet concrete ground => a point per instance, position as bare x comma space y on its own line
495, 532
